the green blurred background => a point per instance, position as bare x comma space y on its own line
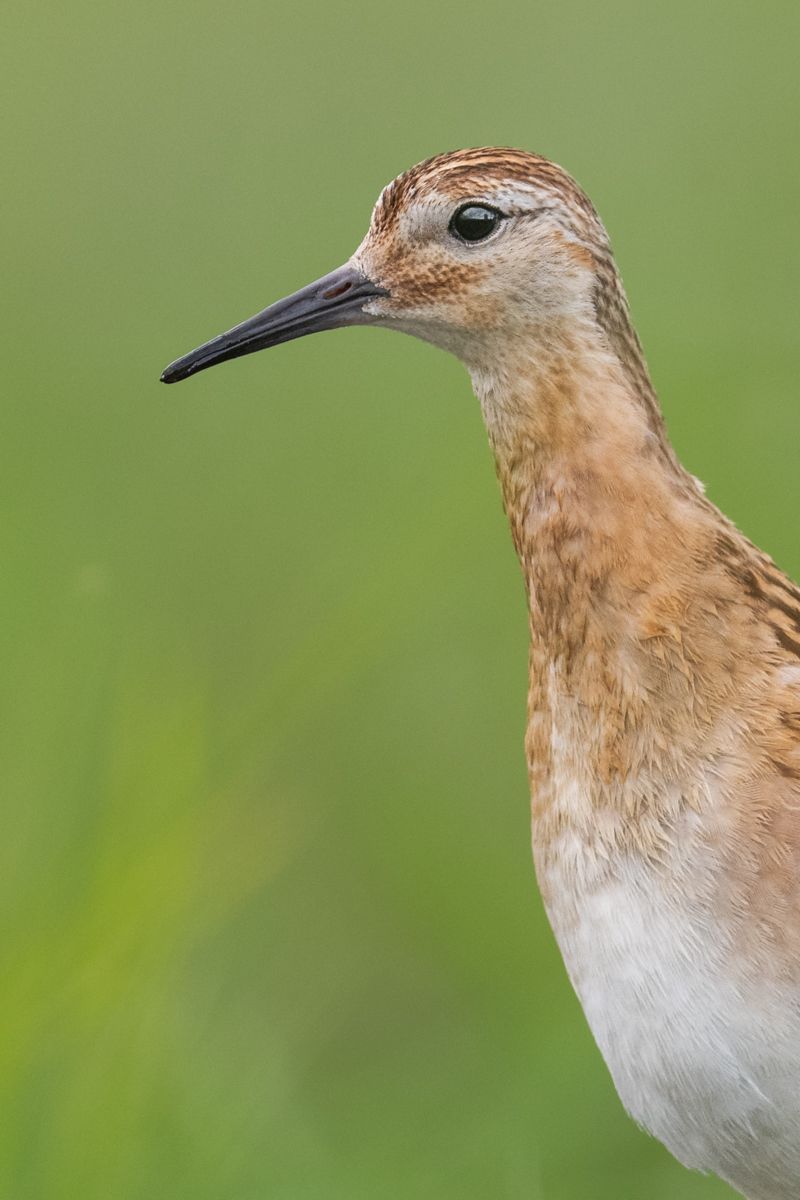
269, 920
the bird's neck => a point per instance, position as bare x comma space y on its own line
617, 547
581, 452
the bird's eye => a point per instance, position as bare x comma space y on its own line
474, 222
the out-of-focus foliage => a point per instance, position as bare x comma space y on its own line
269, 922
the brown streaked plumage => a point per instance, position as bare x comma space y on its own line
663, 738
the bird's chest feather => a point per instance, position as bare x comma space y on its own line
702, 1056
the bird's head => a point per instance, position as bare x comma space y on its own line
469, 250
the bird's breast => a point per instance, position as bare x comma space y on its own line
703, 1055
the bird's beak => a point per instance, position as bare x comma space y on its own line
332, 302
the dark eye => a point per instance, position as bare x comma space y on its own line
474, 222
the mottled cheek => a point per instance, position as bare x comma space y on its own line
422, 280
430, 281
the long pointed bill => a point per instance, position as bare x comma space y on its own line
332, 302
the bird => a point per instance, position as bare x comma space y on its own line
663, 716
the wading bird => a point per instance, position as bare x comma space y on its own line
663, 736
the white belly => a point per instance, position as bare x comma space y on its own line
704, 1058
